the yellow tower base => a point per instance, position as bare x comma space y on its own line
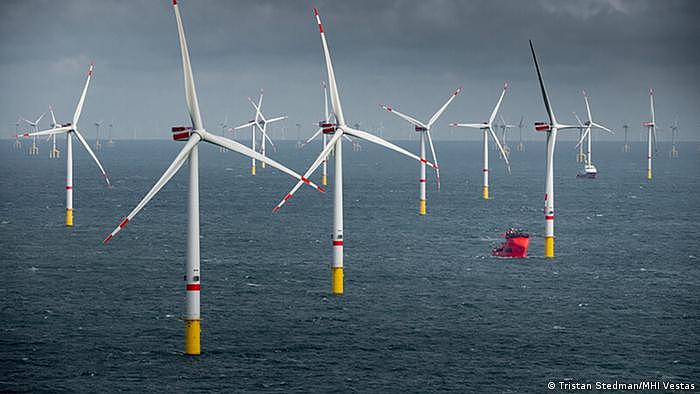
192, 333
549, 246
69, 217
252, 170
337, 280
422, 207
325, 181
648, 174
486, 192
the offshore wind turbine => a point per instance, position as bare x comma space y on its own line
18, 140
324, 124
504, 134
626, 146
194, 135
674, 134
54, 153
521, 124
551, 129
259, 123
98, 144
339, 129
590, 171
423, 130
651, 133
110, 140
70, 129
224, 126
488, 130
34, 150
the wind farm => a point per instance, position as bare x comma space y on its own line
395, 273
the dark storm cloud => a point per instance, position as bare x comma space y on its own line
410, 54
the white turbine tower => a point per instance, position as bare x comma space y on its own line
674, 135
110, 141
504, 134
98, 144
339, 128
626, 146
69, 129
34, 150
194, 135
224, 125
651, 133
54, 153
521, 124
423, 130
18, 140
487, 127
551, 129
260, 123
589, 170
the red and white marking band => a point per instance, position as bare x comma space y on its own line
69, 187
318, 20
305, 180
423, 180
193, 287
337, 242
486, 170
287, 197
109, 237
549, 217
123, 223
423, 161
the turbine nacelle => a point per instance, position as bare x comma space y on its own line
543, 126
648, 124
421, 128
328, 128
181, 133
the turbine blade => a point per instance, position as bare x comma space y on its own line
548, 107
53, 118
322, 156
442, 109
40, 118
588, 107
435, 160
469, 125
243, 126
190, 91
316, 134
79, 108
583, 136
380, 141
578, 119
89, 150
167, 175
347, 138
277, 119
651, 104
498, 105
60, 130
409, 119
244, 150
503, 152
335, 97
600, 126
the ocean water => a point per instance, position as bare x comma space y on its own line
426, 308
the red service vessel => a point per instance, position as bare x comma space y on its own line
517, 242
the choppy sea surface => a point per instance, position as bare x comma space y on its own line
426, 308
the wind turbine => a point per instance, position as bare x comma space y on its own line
626, 146
423, 130
651, 133
521, 124
224, 126
34, 150
551, 129
18, 140
504, 134
98, 144
590, 171
259, 123
69, 129
325, 128
674, 133
194, 135
54, 153
339, 128
110, 141
487, 127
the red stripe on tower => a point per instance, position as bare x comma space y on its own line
549, 217
338, 242
193, 287
69, 187
422, 180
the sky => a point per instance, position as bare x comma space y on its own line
410, 54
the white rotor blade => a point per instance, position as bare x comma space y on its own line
651, 104
276, 119
578, 119
435, 160
87, 147
53, 118
81, 102
347, 138
243, 126
322, 156
258, 113
167, 175
503, 152
26, 121
409, 119
316, 134
335, 97
59, 130
190, 91
442, 109
263, 130
40, 118
470, 125
380, 141
594, 124
548, 107
244, 150
498, 104
583, 136
588, 107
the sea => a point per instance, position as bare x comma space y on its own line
426, 307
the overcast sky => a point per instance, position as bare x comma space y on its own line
411, 54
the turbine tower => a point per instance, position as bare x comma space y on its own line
651, 133
488, 130
504, 135
339, 128
71, 129
98, 144
551, 129
54, 153
626, 146
423, 130
521, 124
674, 135
110, 141
194, 135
